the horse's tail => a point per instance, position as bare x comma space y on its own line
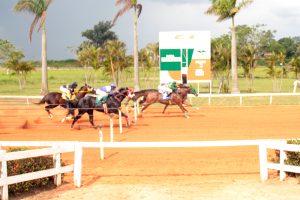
42, 101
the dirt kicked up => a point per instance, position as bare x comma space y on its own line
166, 173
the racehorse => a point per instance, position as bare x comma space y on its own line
88, 104
177, 98
54, 99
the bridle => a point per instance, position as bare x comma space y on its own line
129, 95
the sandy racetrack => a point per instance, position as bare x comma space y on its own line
166, 173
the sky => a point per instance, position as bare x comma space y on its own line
67, 19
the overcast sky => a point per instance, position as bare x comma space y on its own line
68, 18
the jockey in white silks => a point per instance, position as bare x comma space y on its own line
105, 91
166, 89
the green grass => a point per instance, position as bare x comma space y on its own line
58, 76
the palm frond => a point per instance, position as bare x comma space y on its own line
42, 20
48, 2
35, 21
126, 7
25, 5
139, 7
121, 1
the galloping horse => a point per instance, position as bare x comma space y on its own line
88, 105
177, 98
54, 99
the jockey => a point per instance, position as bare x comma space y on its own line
69, 91
166, 89
104, 91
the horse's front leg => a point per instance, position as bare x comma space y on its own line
80, 113
127, 118
165, 108
144, 106
185, 112
91, 117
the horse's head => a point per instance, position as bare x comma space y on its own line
187, 89
86, 89
126, 92
193, 91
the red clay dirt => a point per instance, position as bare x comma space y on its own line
165, 173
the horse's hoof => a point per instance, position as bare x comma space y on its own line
62, 120
50, 116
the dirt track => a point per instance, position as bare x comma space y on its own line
178, 173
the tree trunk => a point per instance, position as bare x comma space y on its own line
135, 53
234, 73
44, 89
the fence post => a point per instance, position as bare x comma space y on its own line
135, 111
111, 125
101, 145
120, 121
57, 166
282, 174
263, 161
77, 164
3, 176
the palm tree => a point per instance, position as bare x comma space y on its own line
137, 8
116, 56
39, 9
227, 9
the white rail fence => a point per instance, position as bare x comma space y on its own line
296, 83
283, 147
263, 145
241, 96
209, 96
58, 169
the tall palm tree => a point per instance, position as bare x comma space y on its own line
39, 9
137, 8
227, 9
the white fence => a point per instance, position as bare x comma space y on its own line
282, 146
241, 96
262, 144
209, 96
56, 151
296, 83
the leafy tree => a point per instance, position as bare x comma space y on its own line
100, 34
6, 48
272, 71
289, 46
115, 60
137, 8
221, 60
18, 67
153, 52
146, 63
89, 56
251, 43
248, 58
227, 9
295, 66
39, 9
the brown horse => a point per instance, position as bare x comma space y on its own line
54, 99
154, 96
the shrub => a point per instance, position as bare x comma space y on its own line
293, 158
22, 166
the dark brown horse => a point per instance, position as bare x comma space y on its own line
88, 104
54, 99
176, 98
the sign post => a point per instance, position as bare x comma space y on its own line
185, 57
